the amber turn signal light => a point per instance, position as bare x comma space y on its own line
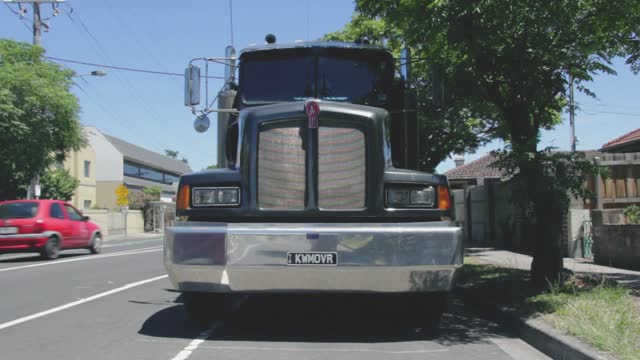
182, 202
444, 198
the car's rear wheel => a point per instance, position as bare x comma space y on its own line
51, 249
203, 308
96, 244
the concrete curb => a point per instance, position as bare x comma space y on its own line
534, 332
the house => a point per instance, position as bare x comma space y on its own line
81, 164
627, 143
475, 173
120, 162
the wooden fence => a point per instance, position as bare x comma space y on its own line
622, 185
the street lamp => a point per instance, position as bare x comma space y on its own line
93, 73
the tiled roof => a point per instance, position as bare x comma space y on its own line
143, 156
479, 168
625, 139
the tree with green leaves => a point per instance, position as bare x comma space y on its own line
58, 184
458, 129
517, 57
174, 155
38, 116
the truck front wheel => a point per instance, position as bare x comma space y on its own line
203, 308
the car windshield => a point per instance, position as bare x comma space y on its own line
18, 210
344, 77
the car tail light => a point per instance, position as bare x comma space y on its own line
183, 198
444, 198
38, 227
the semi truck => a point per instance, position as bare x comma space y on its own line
318, 189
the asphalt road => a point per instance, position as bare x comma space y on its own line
115, 306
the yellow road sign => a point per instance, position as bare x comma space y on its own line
122, 191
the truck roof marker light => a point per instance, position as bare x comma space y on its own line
270, 39
183, 198
444, 198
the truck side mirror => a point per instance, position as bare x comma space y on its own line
192, 86
405, 66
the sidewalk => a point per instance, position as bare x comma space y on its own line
514, 260
137, 236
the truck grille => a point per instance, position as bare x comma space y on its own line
281, 169
341, 165
341, 169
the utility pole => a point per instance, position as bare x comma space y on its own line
572, 111
37, 34
34, 184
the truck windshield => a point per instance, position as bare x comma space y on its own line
351, 78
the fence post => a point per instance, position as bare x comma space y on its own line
598, 184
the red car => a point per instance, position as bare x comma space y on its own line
46, 226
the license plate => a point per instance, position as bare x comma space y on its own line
6, 230
312, 258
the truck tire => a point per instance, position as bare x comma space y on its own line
203, 308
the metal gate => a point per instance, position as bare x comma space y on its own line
163, 215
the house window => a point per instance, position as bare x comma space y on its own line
87, 204
87, 168
147, 173
169, 179
131, 170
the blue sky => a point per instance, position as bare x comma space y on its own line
164, 35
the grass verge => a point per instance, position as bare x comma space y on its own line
596, 310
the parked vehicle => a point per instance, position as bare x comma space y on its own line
46, 226
319, 188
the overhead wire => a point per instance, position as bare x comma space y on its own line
132, 33
77, 20
123, 68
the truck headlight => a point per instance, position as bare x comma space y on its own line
216, 196
411, 197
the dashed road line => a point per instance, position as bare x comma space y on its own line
79, 302
88, 257
195, 343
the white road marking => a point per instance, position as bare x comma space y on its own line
78, 302
88, 257
193, 345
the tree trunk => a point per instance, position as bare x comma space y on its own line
548, 208
544, 199
547, 262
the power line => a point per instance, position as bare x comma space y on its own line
611, 112
132, 32
124, 68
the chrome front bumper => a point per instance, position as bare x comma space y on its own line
252, 257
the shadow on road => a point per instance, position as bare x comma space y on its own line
325, 319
